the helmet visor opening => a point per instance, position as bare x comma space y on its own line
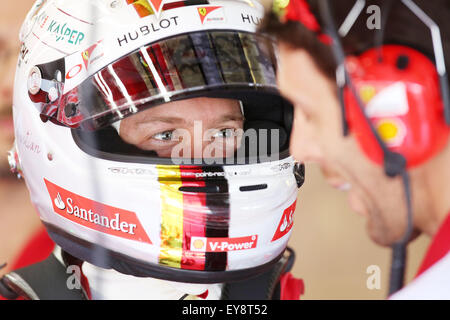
158, 73
191, 133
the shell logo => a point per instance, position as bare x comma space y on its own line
392, 131
198, 244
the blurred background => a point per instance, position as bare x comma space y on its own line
333, 249
18, 220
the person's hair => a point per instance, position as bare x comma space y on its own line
298, 36
402, 27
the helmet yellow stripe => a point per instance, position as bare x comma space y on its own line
171, 248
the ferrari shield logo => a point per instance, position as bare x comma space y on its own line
211, 14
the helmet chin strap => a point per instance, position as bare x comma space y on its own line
107, 284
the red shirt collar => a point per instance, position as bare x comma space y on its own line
439, 247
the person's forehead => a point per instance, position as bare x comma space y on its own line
296, 61
299, 77
197, 108
205, 101
292, 63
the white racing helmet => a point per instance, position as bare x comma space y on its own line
87, 64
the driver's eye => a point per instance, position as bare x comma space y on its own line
224, 133
164, 136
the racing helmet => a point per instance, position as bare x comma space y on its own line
84, 67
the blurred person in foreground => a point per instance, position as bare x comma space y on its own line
140, 159
20, 227
371, 108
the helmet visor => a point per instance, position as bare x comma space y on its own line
171, 69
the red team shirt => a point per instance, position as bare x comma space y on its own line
433, 278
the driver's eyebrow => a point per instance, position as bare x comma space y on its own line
171, 120
177, 120
232, 117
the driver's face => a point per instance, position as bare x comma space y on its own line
194, 128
